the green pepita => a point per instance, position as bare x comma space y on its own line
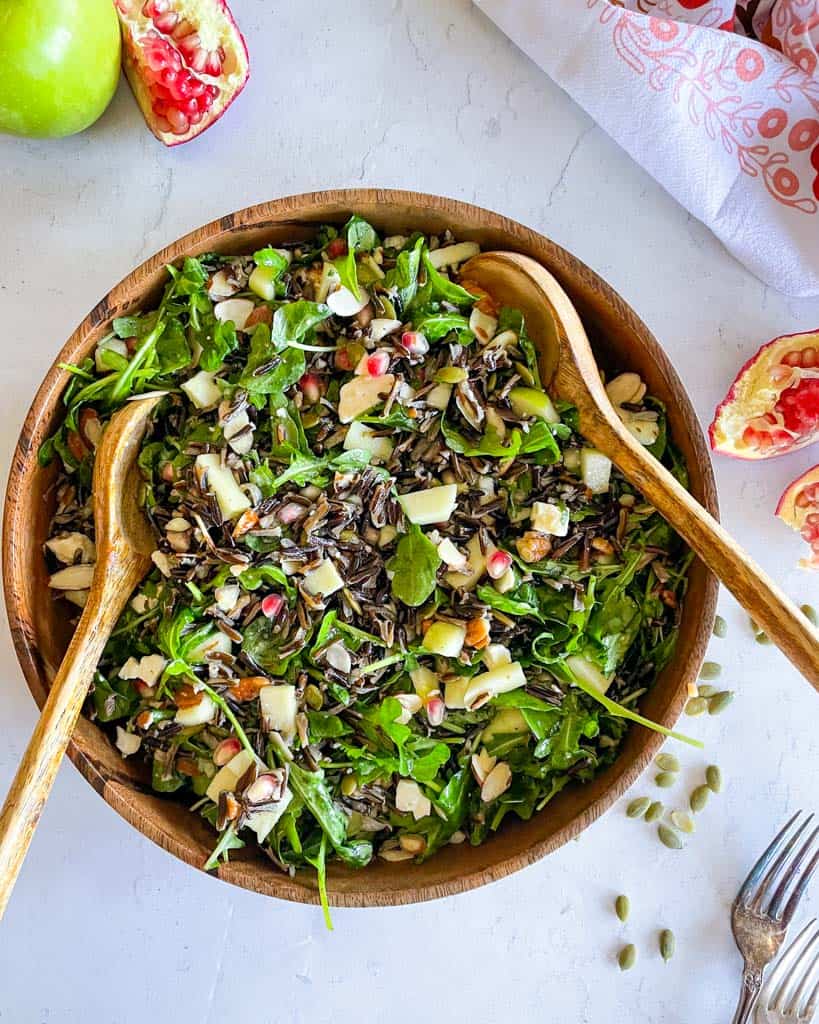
760, 635
713, 778
706, 690
349, 785
667, 762
621, 907
627, 957
699, 798
665, 780
720, 627
667, 944
451, 375
696, 706
669, 838
637, 808
810, 613
719, 702
682, 821
710, 670
654, 811
313, 696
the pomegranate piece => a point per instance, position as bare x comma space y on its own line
773, 404
186, 62
799, 508
272, 605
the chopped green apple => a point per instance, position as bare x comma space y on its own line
476, 566
360, 394
226, 778
203, 390
278, 708
495, 655
199, 714
595, 470
323, 580
452, 255
445, 638
216, 643
438, 397
425, 681
454, 690
263, 822
533, 402
432, 505
551, 518
363, 438
221, 483
263, 282
504, 722
489, 684
584, 670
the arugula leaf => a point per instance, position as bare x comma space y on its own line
490, 444
217, 344
228, 840
323, 725
443, 288
319, 862
403, 277
113, 700
414, 566
312, 788
361, 237
262, 642
268, 257
172, 348
287, 368
512, 320
293, 321
438, 325
521, 601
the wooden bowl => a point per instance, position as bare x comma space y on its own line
40, 631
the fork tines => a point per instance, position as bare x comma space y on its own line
790, 861
792, 990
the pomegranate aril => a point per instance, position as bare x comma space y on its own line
435, 709
212, 91
310, 387
226, 751
178, 121
272, 605
291, 513
198, 59
415, 343
335, 248
497, 564
166, 22
792, 359
375, 364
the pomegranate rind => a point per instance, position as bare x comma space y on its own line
217, 29
795, 515
751, 395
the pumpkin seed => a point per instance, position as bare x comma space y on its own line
713, 778
621, 908
696, 706
637, 808
810, 614
451, 375
654, 811
710, 670
706, 690
667, 944
719, 702
313, 696
667, 762
665, 780
682, 821
760, 635
669, 838
627, 957
720, 627
699, 798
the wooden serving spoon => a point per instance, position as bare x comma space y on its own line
124, 544
570, 372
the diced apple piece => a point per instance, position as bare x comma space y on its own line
380, 327
432, 505
278, 707
218, 642
489, 684
532, 402
505, 721
410, 799
343, 303
149, 668
595, 470
438, 397
199, 714
454, 691
360, 394
425, 681
507, 582
262, 282
477, 566
482, 325
360, 436
220, 482
495, 655
550, 518
127, 742
329, 279
445, 638
263, 822
452, 255
202, 390
237, 310
66, 549
588, 672
109, 345
323, 580
227, 776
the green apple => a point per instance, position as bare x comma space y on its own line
59, 64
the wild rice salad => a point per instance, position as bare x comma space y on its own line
395, 597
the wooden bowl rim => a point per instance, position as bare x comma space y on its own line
274, 213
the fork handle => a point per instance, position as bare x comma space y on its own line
751, 984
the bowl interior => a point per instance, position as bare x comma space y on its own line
41, 632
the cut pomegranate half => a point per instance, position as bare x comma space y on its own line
773, 404
186, 62
799, 508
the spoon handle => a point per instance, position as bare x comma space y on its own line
770, 608
38, 768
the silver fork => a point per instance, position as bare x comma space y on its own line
761, 913
791, 993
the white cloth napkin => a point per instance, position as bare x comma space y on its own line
727, 124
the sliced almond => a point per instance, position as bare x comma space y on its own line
496, 782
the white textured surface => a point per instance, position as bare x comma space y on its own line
104, 926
